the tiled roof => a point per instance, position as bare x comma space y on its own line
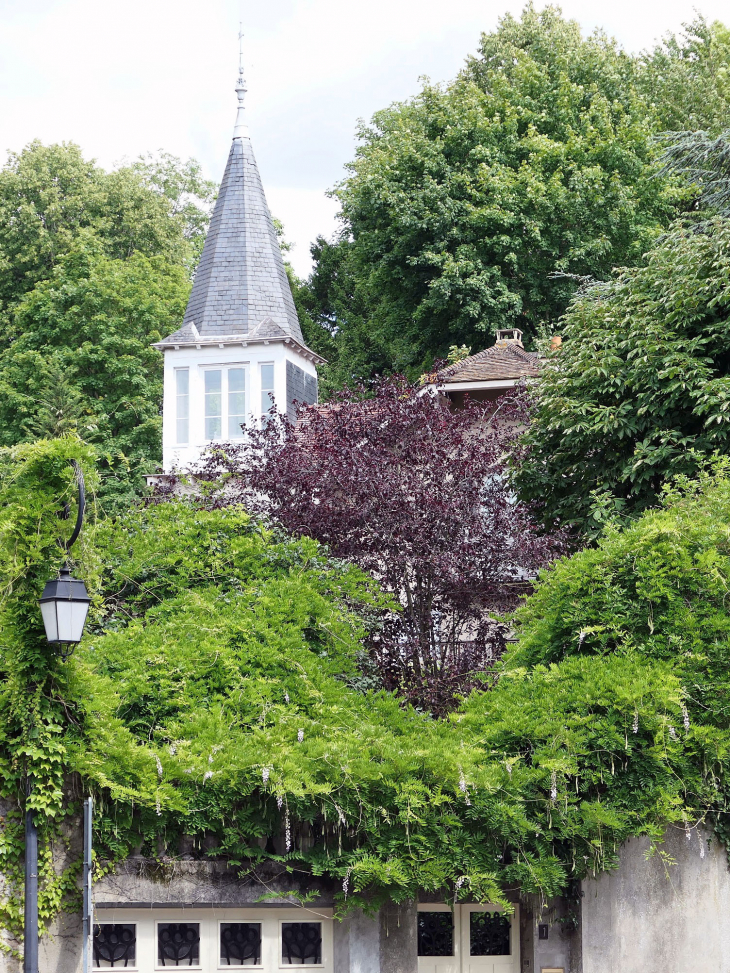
241, 287
503, 361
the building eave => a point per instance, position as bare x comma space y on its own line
242, 341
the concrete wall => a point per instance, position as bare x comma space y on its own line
562, 948
652, 917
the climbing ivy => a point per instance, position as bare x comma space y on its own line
214, 704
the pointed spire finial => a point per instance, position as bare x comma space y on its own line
241, 128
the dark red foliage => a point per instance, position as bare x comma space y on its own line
416, 493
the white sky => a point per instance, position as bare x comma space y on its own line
129, 77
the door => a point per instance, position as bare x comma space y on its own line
490, 940
468, 939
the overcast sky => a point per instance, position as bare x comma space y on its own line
130, 77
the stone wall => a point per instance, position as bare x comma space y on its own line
651, 916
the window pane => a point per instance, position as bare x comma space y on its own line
489, 934
212, 380
267, 387
236, 402
213, 403
301, 943
114, 945
182, 408
240, 944
236, 379
435, 934
178, 943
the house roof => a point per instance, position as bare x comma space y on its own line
504, 361
241, 287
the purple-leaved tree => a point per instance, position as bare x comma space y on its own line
415, 493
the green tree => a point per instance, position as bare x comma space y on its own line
94, 266
79, 356
639, 391
466, 206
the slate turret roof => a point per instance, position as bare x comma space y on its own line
241, 287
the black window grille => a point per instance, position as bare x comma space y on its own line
114, 945
240, 943
435, 934
301, 943
178, 943
489, 934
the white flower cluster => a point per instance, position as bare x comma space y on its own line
288, 831
635, 727
207, 775
685, 716
265, 775
554, 786
672, 733
346, 881
463, 787
159, 766
300, 736
279, 801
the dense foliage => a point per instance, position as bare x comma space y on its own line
468, 205
94, 266
213, 702
414, 493
639, 391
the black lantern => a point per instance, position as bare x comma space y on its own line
65, 600
64, 606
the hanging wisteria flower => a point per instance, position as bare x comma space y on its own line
346, 881
159, 766
553, 786
300, 736
173, 749
279, 801
459, 882
210, 758
685, 716
287, 829
158, 809
207, 775
581, 638
340, 813
286, 697
509, 769
265, 775
672, 733
635, 727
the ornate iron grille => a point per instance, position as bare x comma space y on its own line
241, 943
301, 943
114, 944
178, 943
489, 934
435, 934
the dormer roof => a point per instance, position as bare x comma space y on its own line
504, 361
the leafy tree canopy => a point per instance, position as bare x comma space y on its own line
464, 203
94, 266
415, 493
639, 391
79, 357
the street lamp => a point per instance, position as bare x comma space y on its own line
64, 607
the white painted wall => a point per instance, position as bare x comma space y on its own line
179, 456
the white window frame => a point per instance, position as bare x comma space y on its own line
248, 966
147, 921
117, 921
181, 917
224, 369
280, 942
179, 371
269, 392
